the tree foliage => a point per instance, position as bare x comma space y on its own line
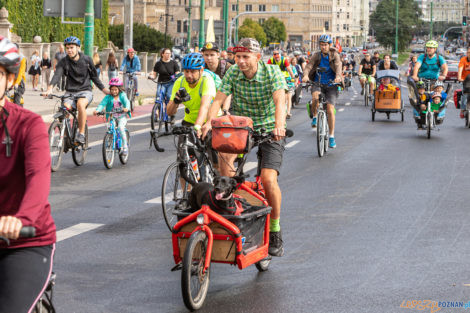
252, 29
383, 22
145, 37
275, 30
28, 21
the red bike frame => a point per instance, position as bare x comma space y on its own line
241, 259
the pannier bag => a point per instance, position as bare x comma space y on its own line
457, 98
231, 134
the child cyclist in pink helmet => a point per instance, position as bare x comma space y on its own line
117, 101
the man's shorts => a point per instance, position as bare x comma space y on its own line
81, 94
331, 93
370, 77
271, 154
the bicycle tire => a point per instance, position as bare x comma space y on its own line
154, 118
327, 133
125, 158
79, 152
428, 121
320, 135
173, 199
193, 264
57, 150
108, 151
366, 95
373, 116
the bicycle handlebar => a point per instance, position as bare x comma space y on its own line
25, 232
110, 112
62, 97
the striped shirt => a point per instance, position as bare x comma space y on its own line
254, 97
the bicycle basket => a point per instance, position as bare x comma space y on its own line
231, 134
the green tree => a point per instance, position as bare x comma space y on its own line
252, 29
28, 21
383, 22
275, 30
145, 37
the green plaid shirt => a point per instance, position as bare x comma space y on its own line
254, 97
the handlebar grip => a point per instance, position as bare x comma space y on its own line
28, 232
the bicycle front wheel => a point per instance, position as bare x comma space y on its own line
174, 194
366, 95
108, 150
429, 124
194, 281
56, 145
320, 133
79, 152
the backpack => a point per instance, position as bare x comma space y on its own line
438, 60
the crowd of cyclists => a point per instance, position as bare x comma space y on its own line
208, 84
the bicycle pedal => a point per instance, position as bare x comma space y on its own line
177, 267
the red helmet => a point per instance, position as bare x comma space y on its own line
130, 50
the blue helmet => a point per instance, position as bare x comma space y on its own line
193, 61
72, 40
325, 38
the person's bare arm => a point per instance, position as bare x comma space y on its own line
204, 109
213, 111
459, 75
171, 108
279, 97
416, 70
445, 69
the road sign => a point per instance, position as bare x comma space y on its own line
72, 8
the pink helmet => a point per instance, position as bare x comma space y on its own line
115, 81
130, 50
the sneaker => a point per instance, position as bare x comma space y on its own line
462, 114
314, 122
275, 244
125, 151
80, 138
332, 142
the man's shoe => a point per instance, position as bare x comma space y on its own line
462, 114
80, 138
332, 142
314, 122
275, 244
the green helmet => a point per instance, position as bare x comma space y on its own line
432, 44
420, 84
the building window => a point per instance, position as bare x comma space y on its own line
337, 27
337, 2
234, 7
261, 21
178, 26
347, 15
344, 26
327, 25
337, 14
347, 2
185, 27
275, 8
248, 8
262, 7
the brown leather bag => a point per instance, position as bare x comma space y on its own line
231, 134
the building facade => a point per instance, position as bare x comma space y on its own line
442, 10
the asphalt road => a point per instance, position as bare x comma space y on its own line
379, 220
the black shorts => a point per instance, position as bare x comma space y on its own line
331, 93
24, 275
271, 154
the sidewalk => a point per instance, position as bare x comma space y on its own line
47, 107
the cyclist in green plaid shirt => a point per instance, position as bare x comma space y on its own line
258, 91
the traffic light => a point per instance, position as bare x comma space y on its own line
464, 20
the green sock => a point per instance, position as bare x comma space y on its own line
274, 227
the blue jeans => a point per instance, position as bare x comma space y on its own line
463, 101
167, 88
112, 74
122, 121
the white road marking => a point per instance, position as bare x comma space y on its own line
138, 124
292, 143
347, 103
341, 110
156, 200
76, 230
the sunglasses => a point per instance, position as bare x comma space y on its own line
275, 53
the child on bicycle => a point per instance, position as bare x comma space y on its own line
439, 88
116, 101
436, 106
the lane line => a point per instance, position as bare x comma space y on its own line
292, 143
341, 110
347, 103
138, 124
76, 230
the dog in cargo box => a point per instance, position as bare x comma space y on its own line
219, 197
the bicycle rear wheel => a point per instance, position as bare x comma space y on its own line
320, 133
79, 152
194, 282
108, 150
154, 121
56, 145
125, 158
174, 194
429, 124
